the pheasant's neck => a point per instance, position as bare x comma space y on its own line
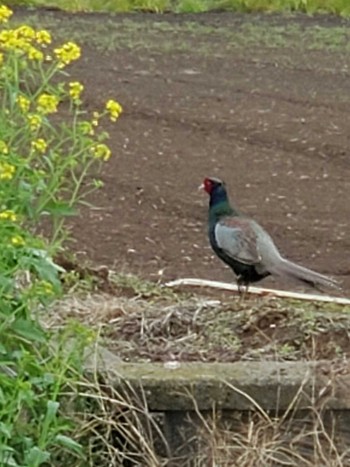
220, 209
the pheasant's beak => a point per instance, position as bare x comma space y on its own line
201, 187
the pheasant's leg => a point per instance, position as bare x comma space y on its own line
242, 289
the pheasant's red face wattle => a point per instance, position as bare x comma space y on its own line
208, 185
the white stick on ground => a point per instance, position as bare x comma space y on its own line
258, 291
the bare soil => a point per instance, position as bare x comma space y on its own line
271, 120
260, 101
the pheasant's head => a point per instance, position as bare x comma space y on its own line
212, 184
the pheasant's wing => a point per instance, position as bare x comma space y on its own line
237, 238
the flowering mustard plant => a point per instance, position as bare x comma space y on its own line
39, 145
48, 141
5, 14
43, 37
3, 147
66, 54
8, 215
23, 103
17, 240
75, 90
47, 103
114, 109
101, 151
34, 122
7, 171
48, 144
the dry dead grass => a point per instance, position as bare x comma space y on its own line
118, 428
151, 326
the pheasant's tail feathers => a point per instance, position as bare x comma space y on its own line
307, 276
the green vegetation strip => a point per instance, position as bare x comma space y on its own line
143, 33
339, 7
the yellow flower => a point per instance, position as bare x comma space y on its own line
44, 288
114, 109
43, 37
67, 53
5, 14
34, 121
8, 214
47, 103
1, 58
17, 240
23, 103
75, 89
35, 54
3, 147
95, 118
7, 171
25, 31
10, 40
101, 151
5, 36
39, 145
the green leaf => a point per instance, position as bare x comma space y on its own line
70, 444
6, 430
40, 261
6, 457
2, 401
37, 457
29, 330
6, 284
45, 256
50, 417
51, 411
59, 208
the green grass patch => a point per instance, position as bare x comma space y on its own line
191, 36
339, 7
